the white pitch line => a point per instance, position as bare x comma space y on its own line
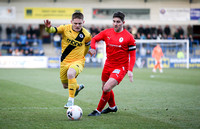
30, 108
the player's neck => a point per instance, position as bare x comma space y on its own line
120, 30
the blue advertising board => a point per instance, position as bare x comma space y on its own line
195, 13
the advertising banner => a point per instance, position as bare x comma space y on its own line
195, 14
7, 12
174, 14
53, 62
23, 62
50, 13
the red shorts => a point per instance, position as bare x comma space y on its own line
116, 73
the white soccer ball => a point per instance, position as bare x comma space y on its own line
74, 112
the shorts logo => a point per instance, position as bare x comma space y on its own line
121, 39
117, 71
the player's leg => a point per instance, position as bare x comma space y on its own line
74, 70
104, 77
63, 78
155, 66
159, 67
117, 75
112, 106
115, 78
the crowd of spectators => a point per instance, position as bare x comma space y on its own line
20, 41
25, 39
152, 32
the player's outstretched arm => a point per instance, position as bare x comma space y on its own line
48, 27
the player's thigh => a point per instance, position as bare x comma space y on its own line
118, 74
77, 66
63, 73
106, 73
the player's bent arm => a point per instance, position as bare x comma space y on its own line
132, 60
50, 29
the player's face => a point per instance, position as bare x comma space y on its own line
117, 24
77, 24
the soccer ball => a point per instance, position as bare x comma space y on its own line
74, 112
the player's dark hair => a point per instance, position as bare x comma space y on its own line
78, 15
119, 15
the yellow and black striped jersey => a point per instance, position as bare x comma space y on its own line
74, 44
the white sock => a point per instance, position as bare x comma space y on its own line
98, 111
71, 99
112, 108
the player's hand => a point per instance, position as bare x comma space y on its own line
130, 75
92, 52
47, 23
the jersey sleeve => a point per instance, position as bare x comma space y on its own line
88, 40
60, 29
132, 53
97, 38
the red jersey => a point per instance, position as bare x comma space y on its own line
119, 46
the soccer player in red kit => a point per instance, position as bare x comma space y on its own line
121, 56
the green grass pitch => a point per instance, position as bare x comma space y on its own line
34, 99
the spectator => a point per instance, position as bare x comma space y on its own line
160, 31
134, 30
149, 36
29, 30
180, 30
20, 30
8, 32
13, 32
173, 30
93, 30
22, 42
147, 30
137, 36
16, 52
167, 30
153, 30
29, 41
57, 40
140, 30
189, 30
36, 31
176, 34
143, 36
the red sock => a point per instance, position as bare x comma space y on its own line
111, 101
104, 99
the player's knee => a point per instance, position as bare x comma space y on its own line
70, 75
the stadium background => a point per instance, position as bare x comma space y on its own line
98, 13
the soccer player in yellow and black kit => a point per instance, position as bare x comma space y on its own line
75, 45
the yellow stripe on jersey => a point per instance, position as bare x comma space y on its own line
73, 43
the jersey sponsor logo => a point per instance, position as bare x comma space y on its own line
113, 45
74, 43
117, 71
121, 39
